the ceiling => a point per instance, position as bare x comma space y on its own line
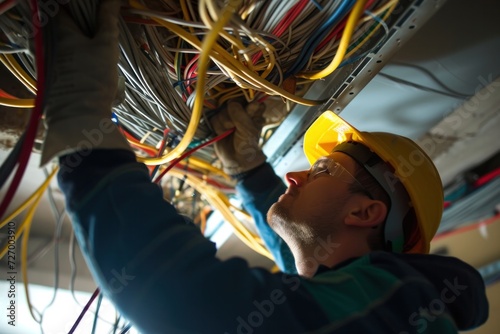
459, 46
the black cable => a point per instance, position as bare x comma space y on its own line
432, 76
126, 328
421, 87
115, 326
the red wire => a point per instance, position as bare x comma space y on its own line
6, 5
191, 151
35, 115
285, 22
487, 178
189, 75
85, 309
7, 95
289, 17
135, 140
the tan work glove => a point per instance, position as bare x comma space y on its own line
82, 86
239, 152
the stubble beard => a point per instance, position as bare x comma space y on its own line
289, 228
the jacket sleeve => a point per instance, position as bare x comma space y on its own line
158, 269
259, 190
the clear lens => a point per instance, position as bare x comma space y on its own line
333, 168
325, 165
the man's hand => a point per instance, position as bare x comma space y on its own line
240, 151
82, 85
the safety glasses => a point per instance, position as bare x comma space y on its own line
326, 165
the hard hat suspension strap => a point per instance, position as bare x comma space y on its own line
382, 172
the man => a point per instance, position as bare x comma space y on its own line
350, 221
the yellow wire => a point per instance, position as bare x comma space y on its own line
205, 165
374, 30
380, 10
232, 66
343, 45
141, 145
36, 194
185, 12
24, 230
220, 202
25, 204
24, 250
17, 235
13, 66
208, 42
17, 103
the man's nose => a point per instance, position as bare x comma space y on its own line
296, 178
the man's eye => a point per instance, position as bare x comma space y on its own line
319, 171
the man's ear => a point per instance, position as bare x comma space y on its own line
366, 213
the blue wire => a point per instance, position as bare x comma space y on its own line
316, 4
318, 36
457, 193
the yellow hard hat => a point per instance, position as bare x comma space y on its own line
409, 166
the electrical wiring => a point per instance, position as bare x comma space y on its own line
372, 30
220, 203
207, 45
17, 103
96, 315
217, 199
29, 200
73, 274
363, 40
191, 151
344, 43
433, 77
487, 178
420, 87
115, 326
476, 205
10, 50
467, 228
318, 35
6, 5
26, 225
13, 66
23, 230
257, 42
126, 328
236, 69
85, 309
6, 95
34, 119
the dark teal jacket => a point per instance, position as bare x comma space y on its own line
162, 274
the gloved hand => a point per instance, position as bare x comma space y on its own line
82, 86
239, 152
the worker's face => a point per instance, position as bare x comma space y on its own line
315, 205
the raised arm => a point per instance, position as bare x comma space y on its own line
258, 185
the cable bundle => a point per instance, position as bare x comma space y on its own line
264, 48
